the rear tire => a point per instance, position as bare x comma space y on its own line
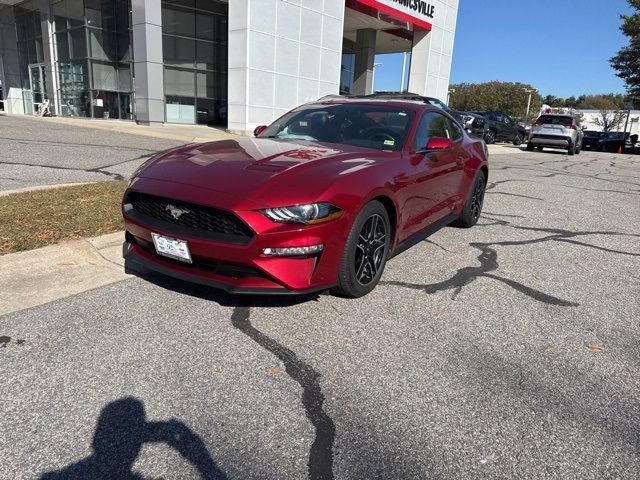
365, 252
539, 148
571, 149
473, 206
518, 140
529, 147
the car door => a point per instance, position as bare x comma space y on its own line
511, 129
503, 128
433, 180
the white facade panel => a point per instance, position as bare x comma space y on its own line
283, 49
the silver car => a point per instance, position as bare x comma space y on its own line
556, 131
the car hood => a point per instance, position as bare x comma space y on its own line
256, 168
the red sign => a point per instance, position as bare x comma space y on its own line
413, 11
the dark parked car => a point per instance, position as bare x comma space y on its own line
603, 141
501, 127
318, 200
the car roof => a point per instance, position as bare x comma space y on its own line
411, 104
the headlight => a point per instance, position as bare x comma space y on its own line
310, 214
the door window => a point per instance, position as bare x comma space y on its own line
434, 124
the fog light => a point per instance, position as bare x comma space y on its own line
292, 251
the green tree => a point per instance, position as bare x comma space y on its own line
506, 97
627, 61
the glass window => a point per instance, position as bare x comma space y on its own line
78, 43
206, 26
207, 84
179, 82
178, 22
124, 47
126, 110
106, 104
179, 52
101, 14
180, 110
124, 78
103, 45
62, 42
105, 76
208, 55
434, 124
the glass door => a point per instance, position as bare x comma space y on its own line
38, 84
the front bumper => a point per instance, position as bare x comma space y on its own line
242, 268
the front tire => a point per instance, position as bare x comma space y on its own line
490, 137
517, 141
365, 253
473, 206
529, 147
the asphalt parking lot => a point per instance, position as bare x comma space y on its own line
35, 152
510, 350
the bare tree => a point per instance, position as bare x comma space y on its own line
609, 120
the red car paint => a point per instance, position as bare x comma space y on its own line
420, 190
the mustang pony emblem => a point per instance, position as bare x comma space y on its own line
175, 211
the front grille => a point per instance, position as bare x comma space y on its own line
202, 264
188, 218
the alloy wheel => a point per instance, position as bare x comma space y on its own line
370, 252
477, 198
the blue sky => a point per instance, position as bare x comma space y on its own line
561, 47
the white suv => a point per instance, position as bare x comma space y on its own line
556, 131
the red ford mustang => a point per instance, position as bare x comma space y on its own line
318, 200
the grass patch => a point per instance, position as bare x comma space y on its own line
42, 217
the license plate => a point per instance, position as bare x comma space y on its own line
172, 247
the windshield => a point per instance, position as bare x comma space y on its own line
368, 126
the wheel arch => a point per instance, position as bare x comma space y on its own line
390, 207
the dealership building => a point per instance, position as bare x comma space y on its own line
235, 64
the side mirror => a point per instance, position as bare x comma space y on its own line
438, 143
259, 129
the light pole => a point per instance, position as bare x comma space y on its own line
449, 92
373, 76
530, 92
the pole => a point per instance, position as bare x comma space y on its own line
526, 117
404, 66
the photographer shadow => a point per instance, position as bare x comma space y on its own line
121, 431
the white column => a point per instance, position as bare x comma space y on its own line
364, 62
418, 72
147, 56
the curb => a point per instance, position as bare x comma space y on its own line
43, 275
5, 193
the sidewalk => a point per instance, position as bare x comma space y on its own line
185, 133
50, 273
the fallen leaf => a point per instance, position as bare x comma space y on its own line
275, 370
596, 347
523, 381
616, 395
550, 349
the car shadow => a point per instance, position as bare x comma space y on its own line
121, 431
220, 296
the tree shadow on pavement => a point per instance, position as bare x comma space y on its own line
121, 431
